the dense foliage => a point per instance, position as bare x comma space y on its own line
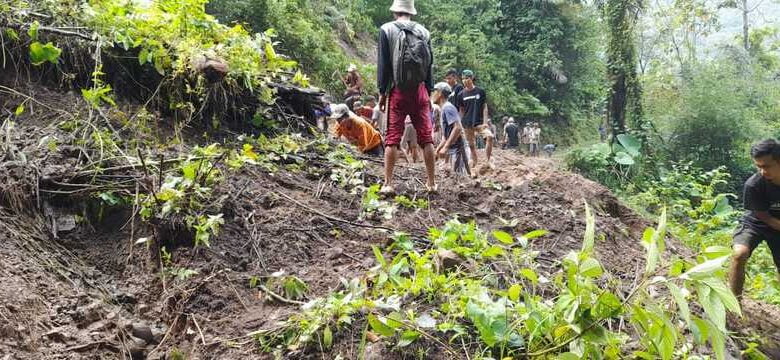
537, 59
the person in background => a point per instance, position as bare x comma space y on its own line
475, 117
354, 83
549, 149
379, 120
511, 138
356, 106
322, 114
436, 119
409, 141
761, 221
453, 80
534, 134
602, 133
405, 90
367, 110
452, 147
525, 136
356, 131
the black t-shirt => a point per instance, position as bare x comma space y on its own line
511, 133
472, 102
761, 195
455, 95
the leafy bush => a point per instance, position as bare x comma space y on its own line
411, 297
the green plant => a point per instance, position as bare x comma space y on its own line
411, 204
373, 204
512, 319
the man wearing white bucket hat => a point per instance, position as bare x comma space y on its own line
354, 84
404, 75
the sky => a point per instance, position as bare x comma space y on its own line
768, 13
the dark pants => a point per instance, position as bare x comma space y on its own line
378, 151
751, 238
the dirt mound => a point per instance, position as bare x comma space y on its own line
90, 291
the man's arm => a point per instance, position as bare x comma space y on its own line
768, 219
485, 113
454, 135
384, 69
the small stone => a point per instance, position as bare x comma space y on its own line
375, 351
142, 331
58, 335
447, 260
137, 348
335, 253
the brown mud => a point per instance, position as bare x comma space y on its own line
90, 294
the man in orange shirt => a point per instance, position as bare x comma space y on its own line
357, 131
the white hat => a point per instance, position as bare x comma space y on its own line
403, 6
352, 67
338, 111
443, 87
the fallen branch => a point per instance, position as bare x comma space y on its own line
333, 218
278, 297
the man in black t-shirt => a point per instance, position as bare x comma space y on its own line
510, 134
474, 116
762, 219
453, 80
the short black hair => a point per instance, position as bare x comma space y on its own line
452, 72
768, 147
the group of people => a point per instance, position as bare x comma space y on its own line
410, 100
529, 137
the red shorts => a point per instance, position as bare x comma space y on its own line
416, 105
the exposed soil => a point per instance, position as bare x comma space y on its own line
90, 293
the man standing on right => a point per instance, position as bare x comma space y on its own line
762, 220
404, 75
475, 117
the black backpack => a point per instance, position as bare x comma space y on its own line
412, 56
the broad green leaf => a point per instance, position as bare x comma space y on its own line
530, 274
493, 251
379, 257
327, 337
514, 292
668, 338
724, 293
623, 158
630, 143
33, 30
590, 231
503, 237
713, 306
714, 252
379, 326
705, 269
407, 338
718, 343
536, 234
608, 305
682, 303
701, 330
40, 54
591, 268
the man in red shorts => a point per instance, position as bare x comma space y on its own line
404, 75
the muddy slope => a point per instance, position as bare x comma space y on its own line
91, 292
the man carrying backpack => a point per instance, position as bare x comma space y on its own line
404, 68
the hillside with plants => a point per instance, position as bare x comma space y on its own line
166, 193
